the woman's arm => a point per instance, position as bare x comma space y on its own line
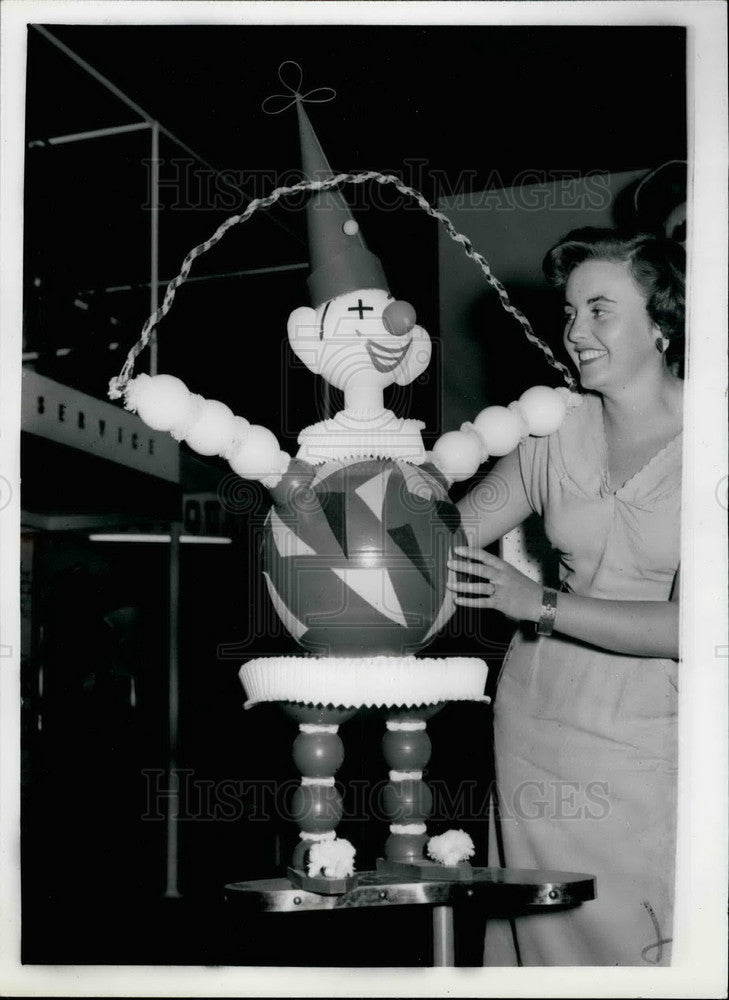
638, 628
496, 505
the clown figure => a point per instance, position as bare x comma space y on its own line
359, 533
357, 539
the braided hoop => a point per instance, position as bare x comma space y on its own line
118, 384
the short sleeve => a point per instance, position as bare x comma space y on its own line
533, 461
572, 458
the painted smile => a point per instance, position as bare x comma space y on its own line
386, 359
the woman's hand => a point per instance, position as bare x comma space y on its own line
500, 586
636, 628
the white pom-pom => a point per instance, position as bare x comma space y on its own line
163, 402
500, 428
543, 408
284, 460
213, 428
458, 454
451, 847
331, 858
259, 455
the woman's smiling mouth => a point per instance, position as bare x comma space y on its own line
585, 357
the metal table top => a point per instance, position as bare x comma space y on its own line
505, 890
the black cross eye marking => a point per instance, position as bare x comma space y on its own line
360, 308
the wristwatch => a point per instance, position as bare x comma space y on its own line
545, 625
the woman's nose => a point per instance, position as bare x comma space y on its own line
399, 318
575, 329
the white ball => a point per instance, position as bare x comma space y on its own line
163, 402
543, 408
458, 454
241, 426
500, 429
258, 456
212, 431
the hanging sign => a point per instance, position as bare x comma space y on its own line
64, 415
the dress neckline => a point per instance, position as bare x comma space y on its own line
606, 484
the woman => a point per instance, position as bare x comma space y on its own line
585, 710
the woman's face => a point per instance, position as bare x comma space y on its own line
608, 334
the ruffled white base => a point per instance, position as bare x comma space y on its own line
367, 681
363, 434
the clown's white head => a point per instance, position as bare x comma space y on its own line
361, 342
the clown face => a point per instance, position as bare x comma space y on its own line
361, 342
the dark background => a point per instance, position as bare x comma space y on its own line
447, 109
453, 108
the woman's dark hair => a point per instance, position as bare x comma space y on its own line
657, 265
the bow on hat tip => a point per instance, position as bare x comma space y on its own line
292, 79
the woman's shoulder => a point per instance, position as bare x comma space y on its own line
575, 450
582, 420
581, 430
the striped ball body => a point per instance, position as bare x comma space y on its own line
355, 556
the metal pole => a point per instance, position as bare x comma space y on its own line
91, 71
112, 88
97, 133
172, 890
191, 279
144, 114
154, 247
443, 946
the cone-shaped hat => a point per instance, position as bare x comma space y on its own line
340, 260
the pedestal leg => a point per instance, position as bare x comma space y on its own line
317, 804
407, 800
318, 753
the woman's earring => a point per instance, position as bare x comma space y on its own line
661, 344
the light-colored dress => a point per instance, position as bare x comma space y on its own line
586, 741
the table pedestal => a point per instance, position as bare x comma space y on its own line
444, 945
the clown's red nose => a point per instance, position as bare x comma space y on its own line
399, 318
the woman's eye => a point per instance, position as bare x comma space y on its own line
598, 312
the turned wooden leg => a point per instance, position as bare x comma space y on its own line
317, 803
316, 806
407, 800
